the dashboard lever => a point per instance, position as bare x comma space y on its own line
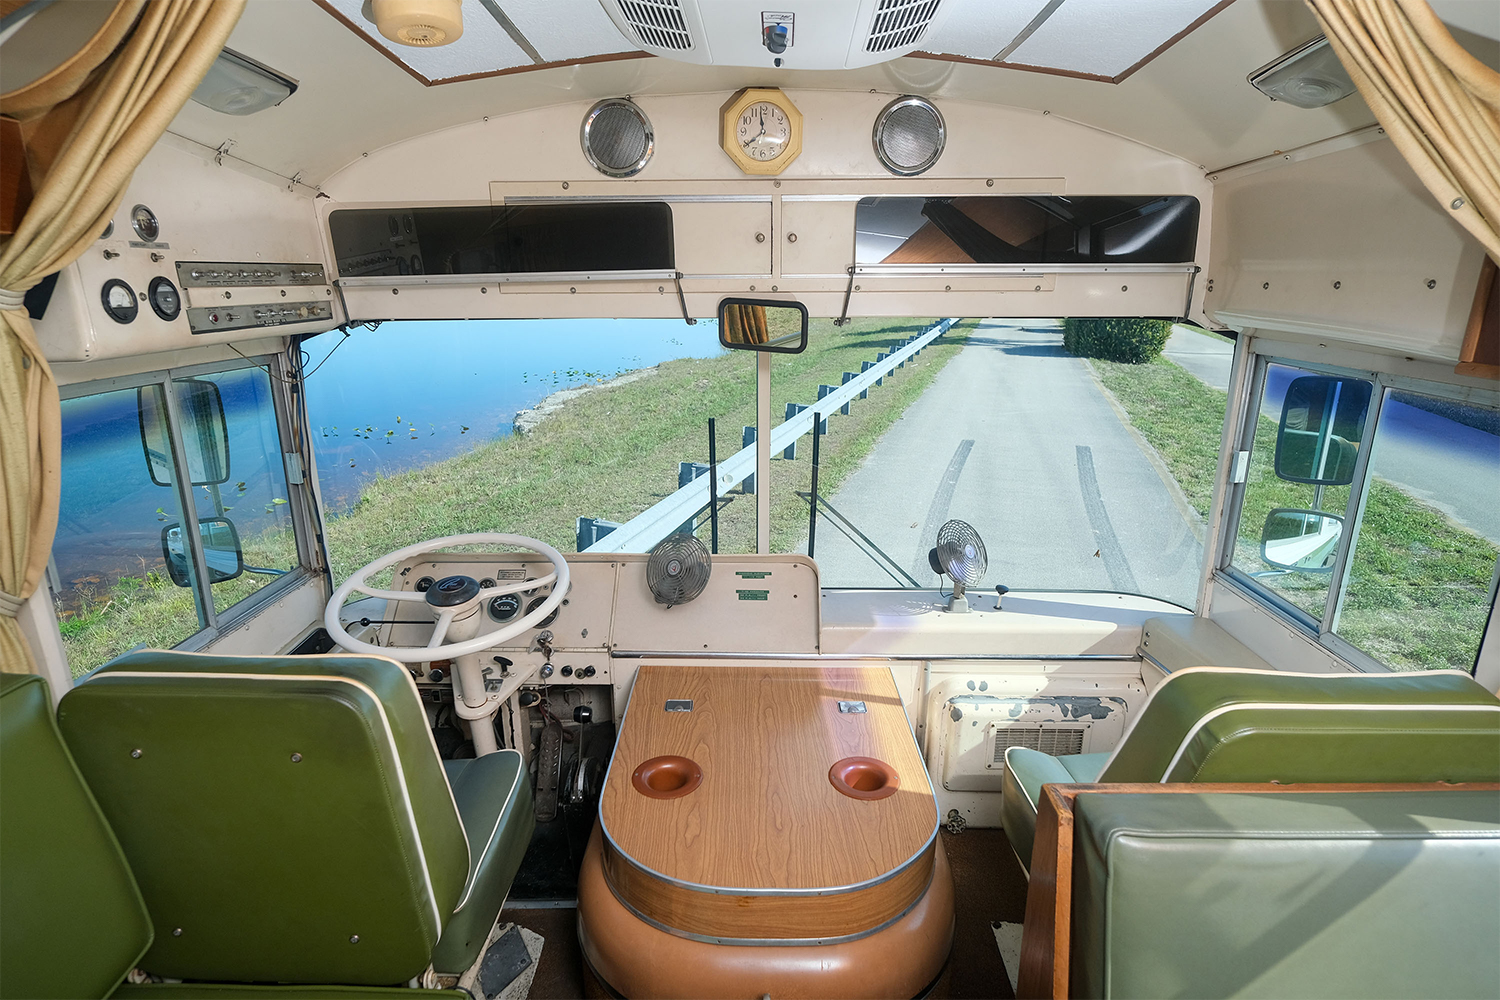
1000, 591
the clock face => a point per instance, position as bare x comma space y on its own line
763, 131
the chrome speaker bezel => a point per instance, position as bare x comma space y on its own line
877, 135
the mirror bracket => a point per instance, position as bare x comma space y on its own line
682, 299
848, 294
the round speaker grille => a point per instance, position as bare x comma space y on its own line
909, 135
617, 138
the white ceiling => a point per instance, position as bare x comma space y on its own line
1096, 37
1191, 101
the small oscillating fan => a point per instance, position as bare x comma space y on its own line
678, 569
960, 554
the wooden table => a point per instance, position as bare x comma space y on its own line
766, 848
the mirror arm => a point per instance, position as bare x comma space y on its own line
848, 294
682, 299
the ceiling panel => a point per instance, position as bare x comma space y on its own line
1106, 37
566, 29
979, 29
483, 47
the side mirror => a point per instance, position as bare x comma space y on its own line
1322, 421
768, 325
205, 434
1301, 541
221, 549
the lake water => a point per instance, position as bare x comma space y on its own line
411, 393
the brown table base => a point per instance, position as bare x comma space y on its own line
639, 960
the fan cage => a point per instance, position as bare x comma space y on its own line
696, 565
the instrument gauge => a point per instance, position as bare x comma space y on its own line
143, 221
165, 301
504, 607
536, 603
119, 301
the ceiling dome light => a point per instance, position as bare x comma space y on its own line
238, 85
421, 23
1309, 76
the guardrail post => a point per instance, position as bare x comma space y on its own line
848, 377
824, 390
686, 473
865, 366
792, 409
591, 529
747, 438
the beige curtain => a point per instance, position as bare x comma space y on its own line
87, 126
1439, 105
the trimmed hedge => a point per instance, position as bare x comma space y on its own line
1132, 341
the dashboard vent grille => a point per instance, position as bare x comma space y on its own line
1055, 740
897, 23
659, 23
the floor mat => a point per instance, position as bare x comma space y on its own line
509, 964
1008, 940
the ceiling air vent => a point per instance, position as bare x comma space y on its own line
899, 24
1055, 740
658, 24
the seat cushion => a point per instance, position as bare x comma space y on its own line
1314, 894
1214, 724
287, 818
1026, 771
72, 921
493, 794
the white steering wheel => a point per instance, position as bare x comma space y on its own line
449, 598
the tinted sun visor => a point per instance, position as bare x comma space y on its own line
503, 239
1049, 229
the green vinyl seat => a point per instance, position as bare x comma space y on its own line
72, 921
1306, 894
289, 820
1213, 724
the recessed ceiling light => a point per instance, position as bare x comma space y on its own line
1309, 76
238, 85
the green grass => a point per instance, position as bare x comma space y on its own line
1418, 589
611, 453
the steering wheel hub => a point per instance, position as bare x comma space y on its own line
452, 591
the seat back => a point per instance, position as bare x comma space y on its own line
287, 817
72, 922
1350, 894
1217, 724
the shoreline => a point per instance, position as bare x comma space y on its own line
527, 420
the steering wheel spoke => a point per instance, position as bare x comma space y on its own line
440, 629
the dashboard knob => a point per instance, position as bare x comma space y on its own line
567, 671
583, 714
435, 675
546, 670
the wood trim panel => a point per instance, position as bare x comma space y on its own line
465, 78
1480, 353
15, 177
776, 918
1046, 941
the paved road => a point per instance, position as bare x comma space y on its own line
1015, 437
1205, 355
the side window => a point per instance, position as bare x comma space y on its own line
110, 580
1422, 568
1302, 464
125, 563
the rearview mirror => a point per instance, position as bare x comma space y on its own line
205, 435
768, 325
221, 550
1301, 541
1322, 421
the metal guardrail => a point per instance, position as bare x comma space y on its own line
650, 526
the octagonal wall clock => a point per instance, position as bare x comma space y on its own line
761, 130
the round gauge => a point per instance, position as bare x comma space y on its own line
536, 603
424, 585
165, 301
763, 131
143, 221
109, 230
486, 583
504, 607
119, 301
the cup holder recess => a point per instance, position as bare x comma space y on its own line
667, 777
864, 778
